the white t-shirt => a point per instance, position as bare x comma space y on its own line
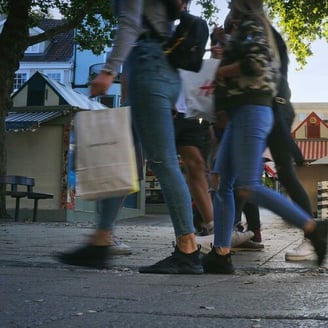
181, 105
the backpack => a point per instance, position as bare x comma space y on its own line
186, 47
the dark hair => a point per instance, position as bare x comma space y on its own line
227, 24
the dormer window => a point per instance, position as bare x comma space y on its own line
38, 48
33, 49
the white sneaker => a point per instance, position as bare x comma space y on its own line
238, 238
206, 243
304, 251
119, 248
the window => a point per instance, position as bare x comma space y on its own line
57, 76
108, 101
111, 101
33, 49
313, 128
19, 80
313, 132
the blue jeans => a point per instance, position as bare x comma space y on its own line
153, 89
240, 165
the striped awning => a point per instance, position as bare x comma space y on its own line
29, 121
270, 169
313, 149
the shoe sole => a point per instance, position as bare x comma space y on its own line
218, 271
195, 270
98, 265
253, 247
295, 258
119, 252
246, 249
146, 271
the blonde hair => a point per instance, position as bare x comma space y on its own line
255, 8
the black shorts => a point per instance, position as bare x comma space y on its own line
192, 132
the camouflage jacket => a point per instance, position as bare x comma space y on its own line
258, 82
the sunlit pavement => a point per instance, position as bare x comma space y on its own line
265, 291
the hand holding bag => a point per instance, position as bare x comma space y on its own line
105, 161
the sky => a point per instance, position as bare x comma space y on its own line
309, 84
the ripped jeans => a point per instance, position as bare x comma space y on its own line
153, 89
240, 165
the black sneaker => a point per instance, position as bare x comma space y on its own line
214, 263
86, 256
319, 240
177, 263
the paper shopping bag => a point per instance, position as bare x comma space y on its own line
105, 154
199, 90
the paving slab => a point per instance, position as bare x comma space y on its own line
265, 291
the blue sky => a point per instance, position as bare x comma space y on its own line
309, 84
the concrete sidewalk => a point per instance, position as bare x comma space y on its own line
265, 291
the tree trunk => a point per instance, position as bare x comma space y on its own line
13, 43
3, 154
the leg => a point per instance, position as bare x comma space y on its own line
250, 127
107, 211
288, 178
255, 129
218, 260
223, 201
192, 138
152, 105
286, 172
153, 90
196, 178
96, 252
252, 214
252, 190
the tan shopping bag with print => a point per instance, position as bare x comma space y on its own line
105, 156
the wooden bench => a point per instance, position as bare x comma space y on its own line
13, 182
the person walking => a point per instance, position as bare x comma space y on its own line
246, 85
153, 88
285, 153
192, 138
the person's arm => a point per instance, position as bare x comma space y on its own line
130, 21
253, 46
231, 70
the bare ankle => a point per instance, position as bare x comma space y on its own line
101, 237
222, 251
309, 227
187, 243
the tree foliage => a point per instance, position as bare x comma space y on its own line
301, 22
